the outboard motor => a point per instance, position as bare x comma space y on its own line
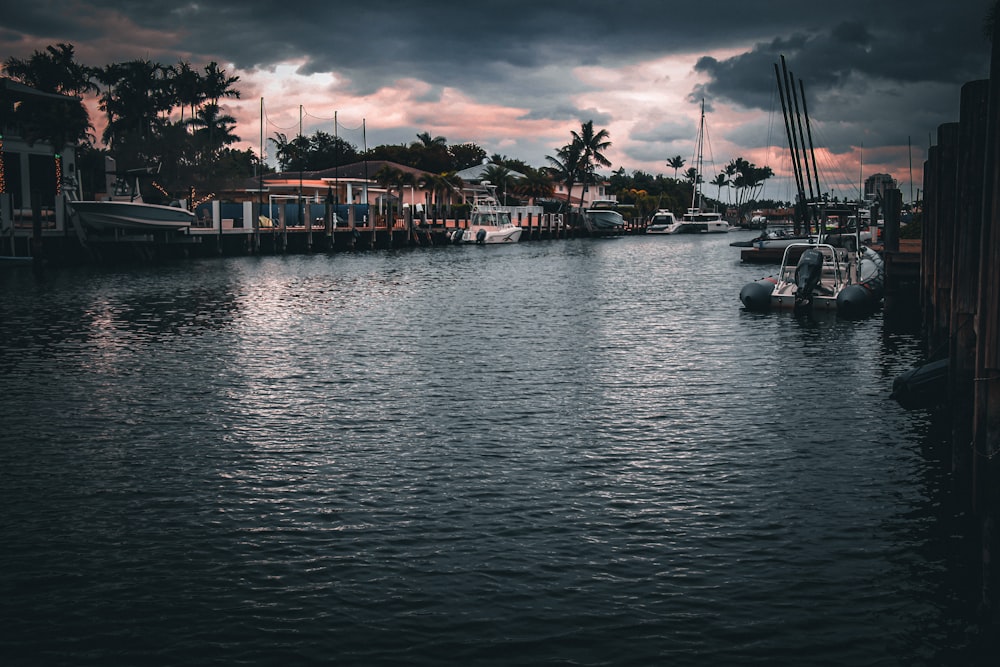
481, 236
456, 236
808, 272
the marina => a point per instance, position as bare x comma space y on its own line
384, 420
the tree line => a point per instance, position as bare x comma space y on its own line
170, 115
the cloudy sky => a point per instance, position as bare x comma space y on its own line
516, 77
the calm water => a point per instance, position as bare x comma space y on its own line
569, 453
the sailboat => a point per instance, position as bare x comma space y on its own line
696, 220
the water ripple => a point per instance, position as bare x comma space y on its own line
567, 453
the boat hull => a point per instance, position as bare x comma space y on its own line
131, 216
486, 235
699, 228
604, 222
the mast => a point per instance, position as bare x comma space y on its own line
699, 144
812, 149
785, 112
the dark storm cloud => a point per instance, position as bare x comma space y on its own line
866, 64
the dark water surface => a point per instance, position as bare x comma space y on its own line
574, 452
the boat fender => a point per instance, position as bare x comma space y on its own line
481, 236
855, 300
923, 387
756, 296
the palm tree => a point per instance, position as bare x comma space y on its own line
136, 103
390, 177
187, 86
720, 181
426, 141
676, 162
53, 71
566, 166
216, 85
215, 130
592, 144
536, 184
499, 176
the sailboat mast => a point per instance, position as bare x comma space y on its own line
696, 186
812, 149
792, 144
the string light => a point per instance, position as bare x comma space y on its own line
3, 180
58, 175
204, 199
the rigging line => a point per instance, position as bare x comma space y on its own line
279, 127
268, 119
318, 117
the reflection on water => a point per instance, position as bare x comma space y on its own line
555, 452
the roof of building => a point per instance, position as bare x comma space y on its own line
475, 172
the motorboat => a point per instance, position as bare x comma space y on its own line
769, 239
603, 218
661, 221
820, 276
126, 209
489, 222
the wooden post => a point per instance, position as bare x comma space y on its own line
927, 240
964, 276
37, 254
946, 169
986, 422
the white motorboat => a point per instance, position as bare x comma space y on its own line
126, 209
489, 222
661, 221
603, 218
819, 276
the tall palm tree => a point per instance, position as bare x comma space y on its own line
187, 86
216, 85
592, 146
214, 130
566, 165
676, 162
720, 180
136, 102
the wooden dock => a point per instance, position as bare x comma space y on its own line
959, 285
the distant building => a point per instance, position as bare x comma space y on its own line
877, 184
